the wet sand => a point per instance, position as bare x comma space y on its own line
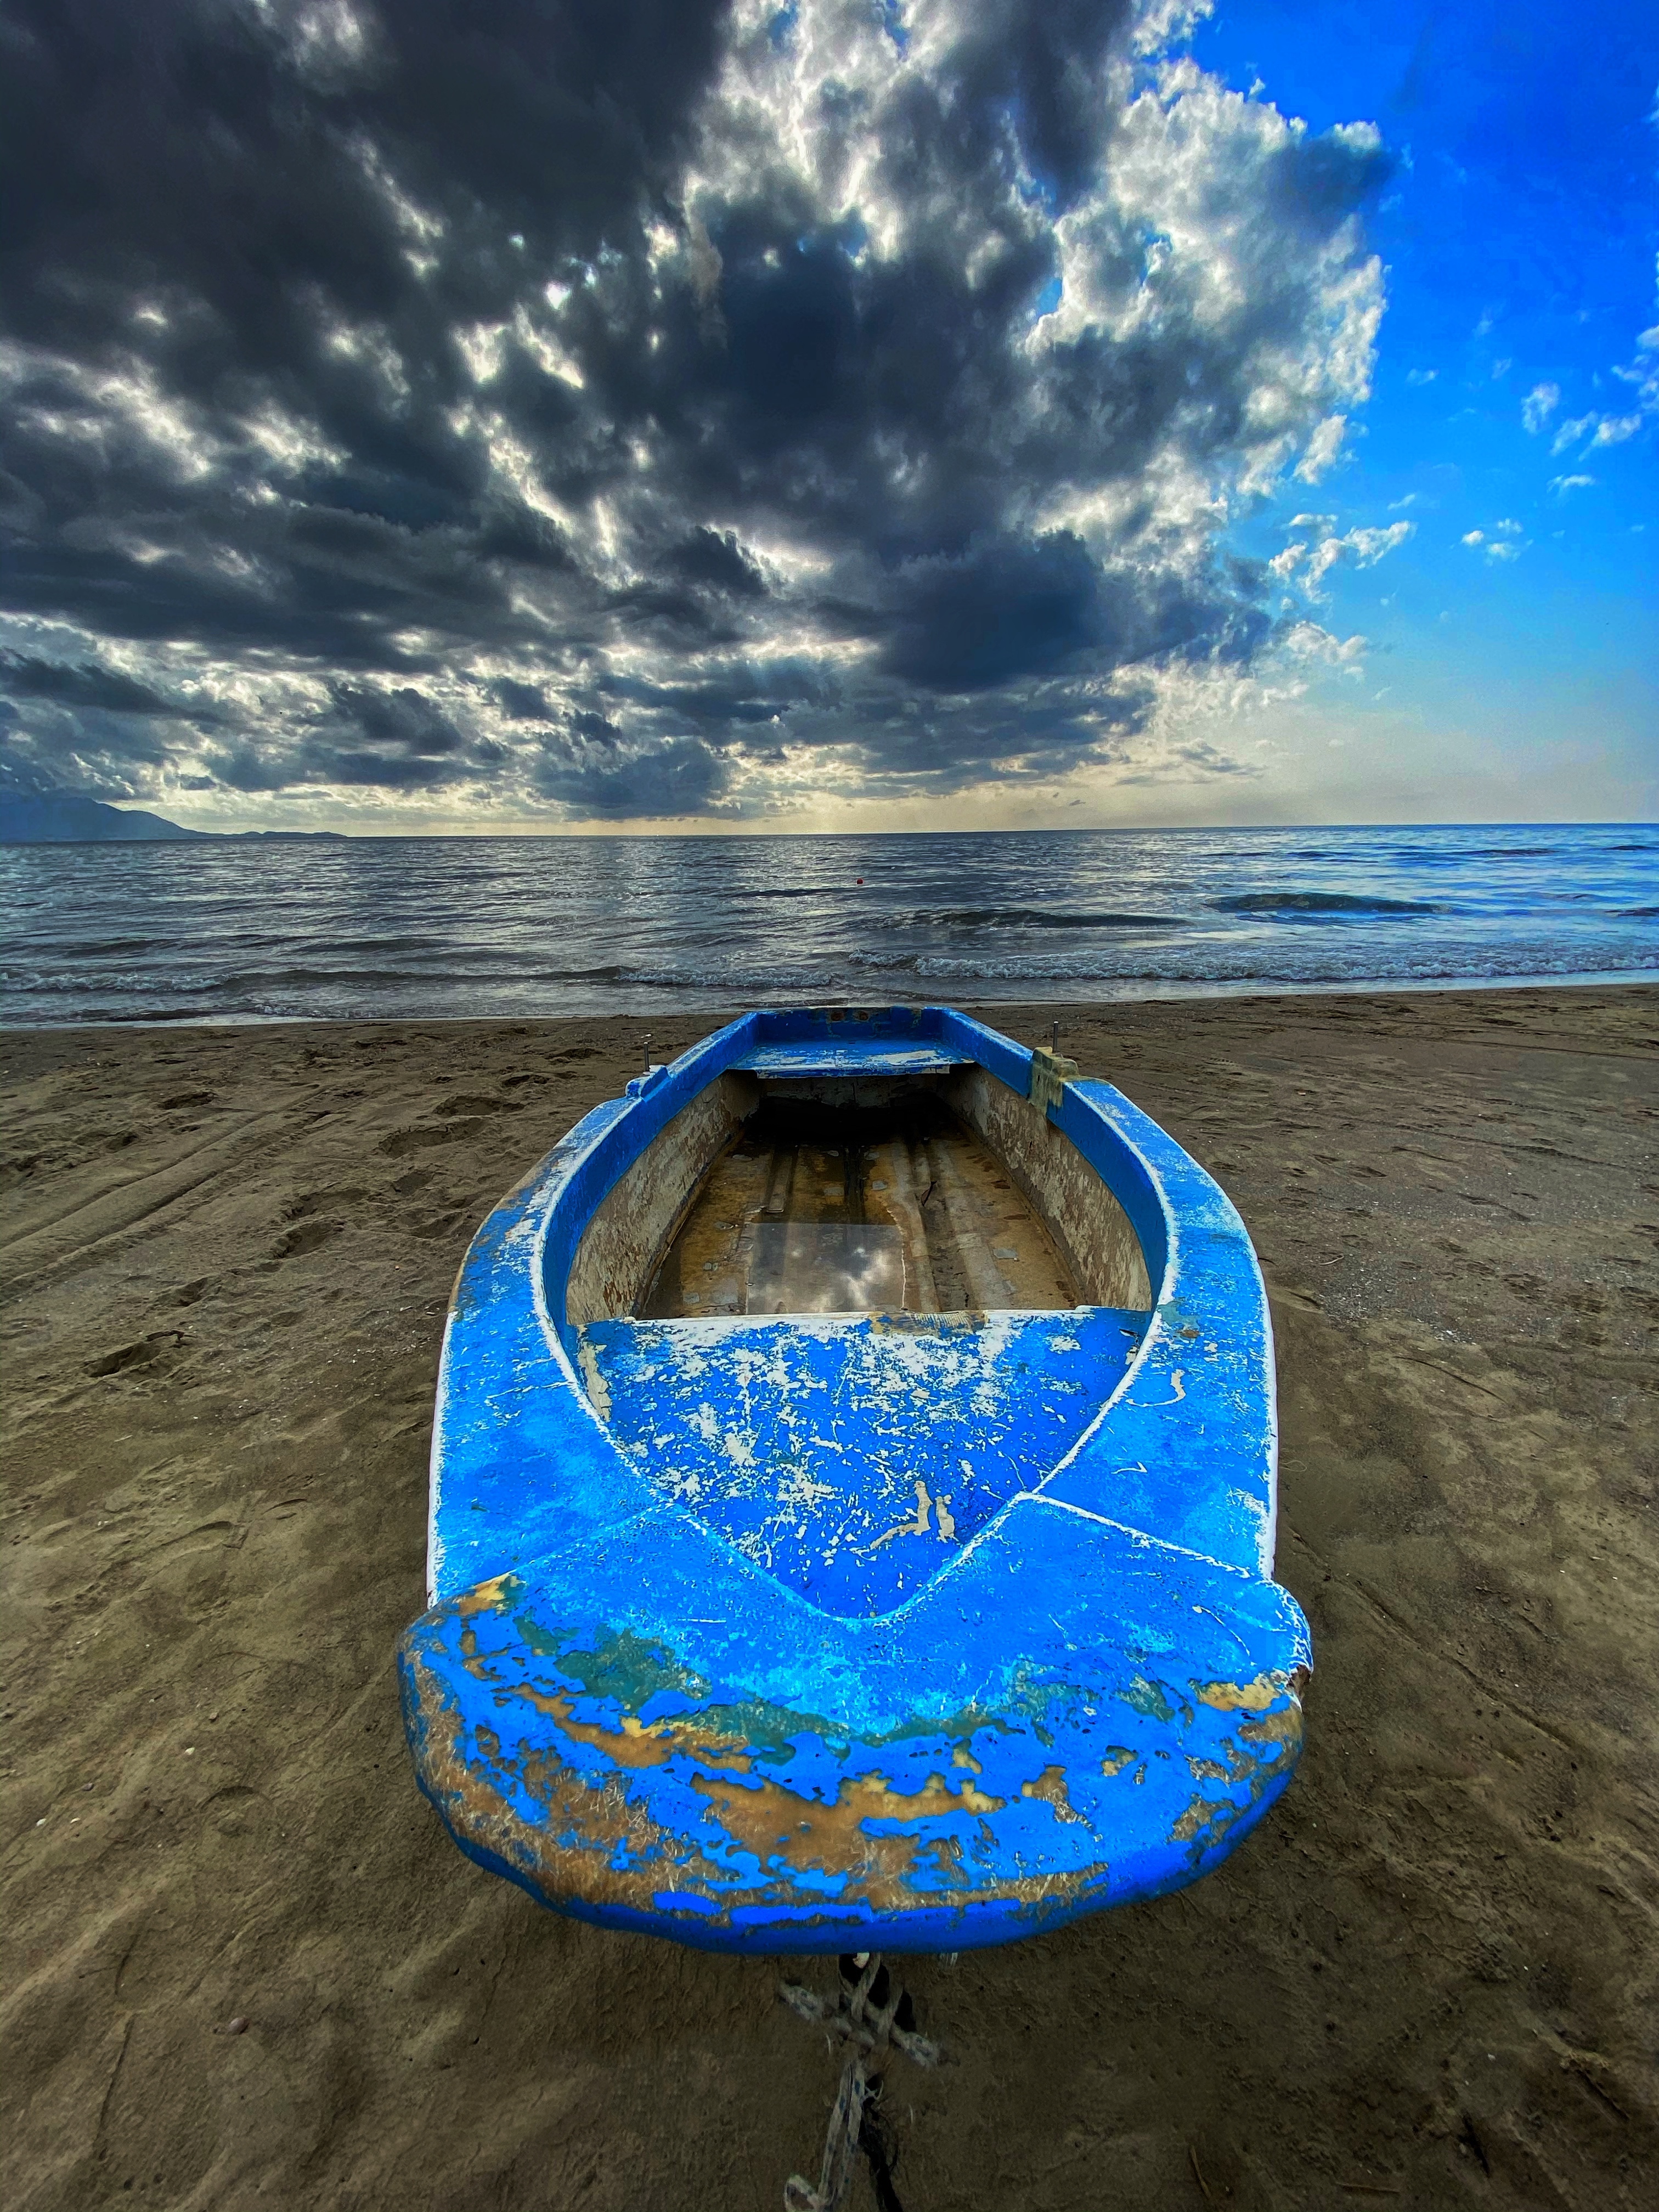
1428, 1979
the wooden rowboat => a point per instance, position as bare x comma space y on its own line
853, 1504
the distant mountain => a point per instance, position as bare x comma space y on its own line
65, 818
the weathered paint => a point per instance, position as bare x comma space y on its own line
704, 1658
804, 1446
847, 1056
1050, 1073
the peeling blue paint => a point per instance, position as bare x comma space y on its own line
798, 1439
714, 1665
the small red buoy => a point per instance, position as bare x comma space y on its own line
861, 879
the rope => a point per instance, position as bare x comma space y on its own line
870, 2029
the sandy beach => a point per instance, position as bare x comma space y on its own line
1430, 1978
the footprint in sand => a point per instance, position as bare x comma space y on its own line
309, 1237
469, 1102
143, 1353
421, 1139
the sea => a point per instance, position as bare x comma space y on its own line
361, 929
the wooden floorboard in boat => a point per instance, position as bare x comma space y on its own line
915, 1217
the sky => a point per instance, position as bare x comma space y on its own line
850, 415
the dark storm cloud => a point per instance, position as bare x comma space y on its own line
77, 725
739, 693
594, 775
383, 740
51, 744
195, 201
227, 160
999, 612
501, 400
26, 675
715, 558
520, 703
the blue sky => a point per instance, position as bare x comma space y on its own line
1519, 233
959, 413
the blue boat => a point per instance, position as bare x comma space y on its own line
853, 1504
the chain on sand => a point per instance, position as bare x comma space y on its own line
869, 2032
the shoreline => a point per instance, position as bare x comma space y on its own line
1612, 979
229, 1251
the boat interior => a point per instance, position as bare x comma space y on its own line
938, 1193
820, 1207
845, 1318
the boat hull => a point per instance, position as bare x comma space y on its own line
630, 1698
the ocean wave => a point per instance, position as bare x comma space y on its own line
1473, 848
106, 948
764, 983
143, 1014
1313, 904
788, 890
1025, 917
1504, 853
462, 977
49, 983
1446, 964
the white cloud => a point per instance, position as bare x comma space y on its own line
1540, 404
1562, 485
1421, 375
1308, 641
1505, 541
1579, 426
1323, 447
1603, 429
1161, 23
1363, 548
1370, 545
